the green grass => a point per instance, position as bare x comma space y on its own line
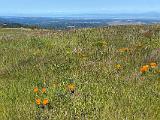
89, 57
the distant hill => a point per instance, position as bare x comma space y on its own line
81, 20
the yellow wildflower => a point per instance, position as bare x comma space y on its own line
118, 66
71, 87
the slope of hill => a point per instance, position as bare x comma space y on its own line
108, 73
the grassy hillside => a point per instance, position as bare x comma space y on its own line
110, 73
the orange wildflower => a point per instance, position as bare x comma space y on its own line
36, 89
153, 65
43, 90
144, 68
45, 101
38, 101
123, 50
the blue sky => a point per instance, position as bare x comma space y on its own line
13, 7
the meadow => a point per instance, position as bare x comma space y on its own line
106, 73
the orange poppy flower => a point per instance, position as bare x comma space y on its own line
153, 65
36, 89
45, 101
123, 50
38, 101
43, 90
144, 69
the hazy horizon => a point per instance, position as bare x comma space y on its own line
89, 14
63, 7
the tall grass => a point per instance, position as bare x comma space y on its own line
103, 64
